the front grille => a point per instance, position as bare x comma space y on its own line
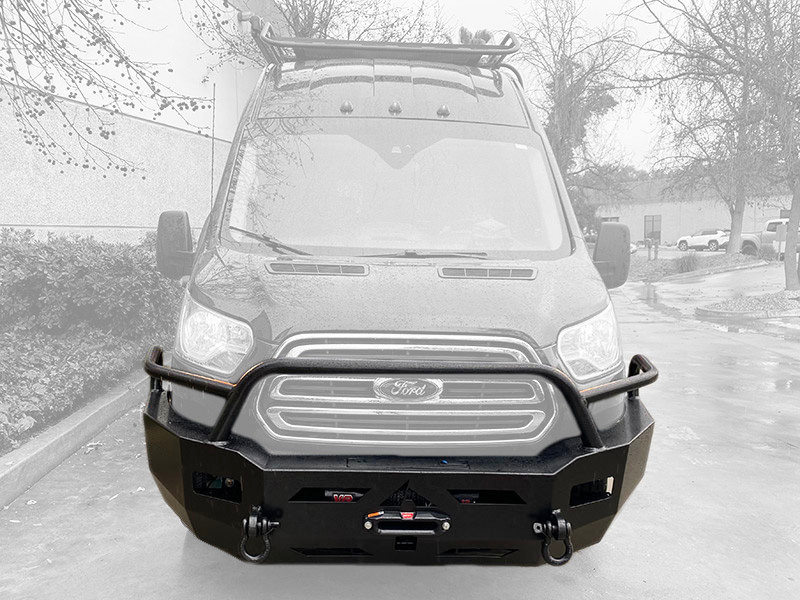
362, 389
402, 425
454, 410
408, 347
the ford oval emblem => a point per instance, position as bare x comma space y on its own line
407, 390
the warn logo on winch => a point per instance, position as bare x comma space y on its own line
343, 496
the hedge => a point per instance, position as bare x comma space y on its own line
62, 282
75, 316
46, 376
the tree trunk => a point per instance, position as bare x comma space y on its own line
790, 266
737, 218
787, 127
741, 161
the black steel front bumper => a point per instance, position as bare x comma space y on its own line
511, 510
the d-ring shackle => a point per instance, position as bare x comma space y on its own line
256, 526
557, 528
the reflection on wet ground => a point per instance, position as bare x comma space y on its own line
684, 305
763, 386
771, 327
756, 375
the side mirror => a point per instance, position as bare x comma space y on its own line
612, 254
174, 255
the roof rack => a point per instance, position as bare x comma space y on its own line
278, 50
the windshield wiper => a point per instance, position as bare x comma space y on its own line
418, 254
270, 241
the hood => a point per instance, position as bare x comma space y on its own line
408, 295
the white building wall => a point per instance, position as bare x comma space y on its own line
173, 172
682, 218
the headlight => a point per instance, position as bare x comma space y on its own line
591, 349
210, 339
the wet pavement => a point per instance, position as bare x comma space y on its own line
680, 298
716, 516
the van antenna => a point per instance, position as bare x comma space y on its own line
213, 136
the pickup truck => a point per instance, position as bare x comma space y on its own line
753, 242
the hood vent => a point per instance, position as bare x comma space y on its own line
486, 273
305, 268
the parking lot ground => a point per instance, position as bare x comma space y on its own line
716, 516
689, 292
682, 297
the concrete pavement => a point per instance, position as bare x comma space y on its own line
682, 297
716, 516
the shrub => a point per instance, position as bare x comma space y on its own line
66, 282
767, 252
75, 315
687, 262
45, 376
649, 270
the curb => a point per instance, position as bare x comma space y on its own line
23, 467
713, 271
757, 314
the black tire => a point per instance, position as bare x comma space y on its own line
713, 245
749, 249
683, 246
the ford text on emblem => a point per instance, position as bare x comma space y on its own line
407, 390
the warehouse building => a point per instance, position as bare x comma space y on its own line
653, 209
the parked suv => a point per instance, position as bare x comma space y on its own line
705, 239
394, 345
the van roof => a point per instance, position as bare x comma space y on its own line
391, 88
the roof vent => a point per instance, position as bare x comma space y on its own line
304, 268
486, 273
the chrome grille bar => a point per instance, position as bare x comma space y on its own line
401, 345
360, 390
402, 426
347, 409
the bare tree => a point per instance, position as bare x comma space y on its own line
51, 50
748, 53
216, 23
580, 72
778, 73
365, 19
476, 38
713, 114
388, 20
310, 18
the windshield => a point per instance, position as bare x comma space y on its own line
360, 187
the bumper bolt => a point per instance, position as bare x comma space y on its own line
446, 526
367, 525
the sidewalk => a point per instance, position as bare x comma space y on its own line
683, 297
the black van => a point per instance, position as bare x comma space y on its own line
394, 344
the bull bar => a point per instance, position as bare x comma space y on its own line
328, 508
